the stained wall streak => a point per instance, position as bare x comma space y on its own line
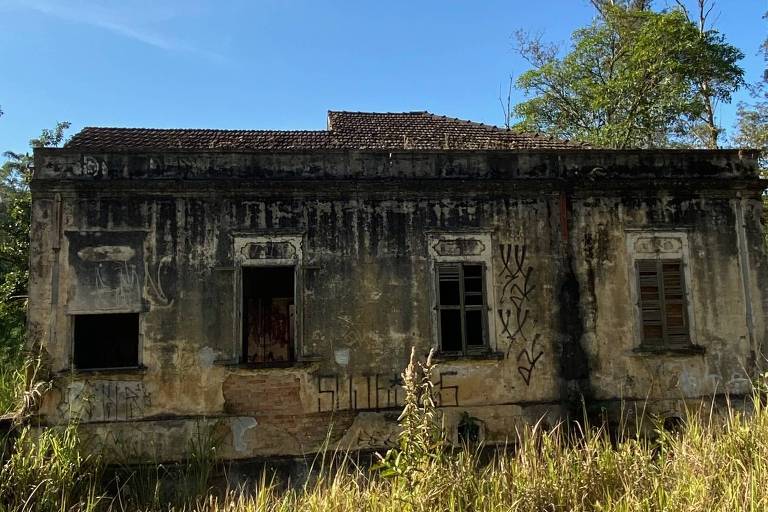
551, 240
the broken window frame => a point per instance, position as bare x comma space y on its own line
243, 259
73, 342
665, 341
463, 308
294, 350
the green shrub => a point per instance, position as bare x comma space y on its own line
46, 470
421, 440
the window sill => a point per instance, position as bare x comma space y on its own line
268, 366
478, 356
128, 370
691, 350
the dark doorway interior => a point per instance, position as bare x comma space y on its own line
268, 314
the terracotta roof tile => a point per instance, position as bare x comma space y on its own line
346, 130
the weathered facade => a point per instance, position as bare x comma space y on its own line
270, 285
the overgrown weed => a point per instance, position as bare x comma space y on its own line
46, 470
712, 461
22, 384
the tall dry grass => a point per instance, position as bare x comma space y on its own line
713, 462
21, 385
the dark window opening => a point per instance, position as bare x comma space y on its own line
462, 312
106, 341
664, 317
268, 314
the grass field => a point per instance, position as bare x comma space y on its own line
713, 462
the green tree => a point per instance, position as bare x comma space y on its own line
638, 5
633, 78
15, 208
752, 118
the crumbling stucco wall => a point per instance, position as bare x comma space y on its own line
166, 236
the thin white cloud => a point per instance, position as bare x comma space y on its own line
124, 20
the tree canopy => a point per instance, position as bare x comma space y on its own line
15, 208
633, 78
752, 118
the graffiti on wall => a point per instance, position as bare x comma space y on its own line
112, 273
105, 400
121, 291
376, 391
374, 439
161, 280
517, 323
108, 270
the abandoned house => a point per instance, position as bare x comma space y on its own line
269, 285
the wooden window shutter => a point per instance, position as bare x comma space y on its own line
650, 303
664, 316
675, 314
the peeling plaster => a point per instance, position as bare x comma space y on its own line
239, 427
166, 236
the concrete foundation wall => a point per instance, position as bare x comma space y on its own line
167, 236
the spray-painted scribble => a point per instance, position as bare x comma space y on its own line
159, 282
125, 291
105, 400
375, 439
517, 323
525, 369
108, 269
358, 392
338, 392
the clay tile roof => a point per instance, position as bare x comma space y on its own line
346, 130
195, 139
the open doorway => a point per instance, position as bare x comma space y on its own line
268, 314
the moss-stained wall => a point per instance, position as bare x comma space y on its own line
166, 236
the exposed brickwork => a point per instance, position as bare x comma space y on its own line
264, 393
312, 429
273, 401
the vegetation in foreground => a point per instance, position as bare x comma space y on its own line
711, 463
15, 212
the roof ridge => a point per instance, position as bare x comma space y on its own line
218, 130
472, 123
501, 129
405, 112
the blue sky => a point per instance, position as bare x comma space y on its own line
279, 64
